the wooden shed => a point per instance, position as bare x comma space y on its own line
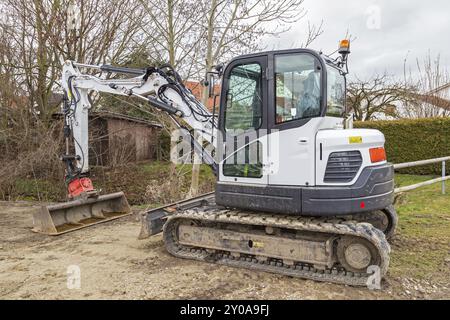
120, 139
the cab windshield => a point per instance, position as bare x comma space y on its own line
335, 92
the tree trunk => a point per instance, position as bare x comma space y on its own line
171, 32
194, 190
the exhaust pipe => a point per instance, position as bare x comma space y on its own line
74, 215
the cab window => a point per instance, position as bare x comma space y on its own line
336, 92
246, 163
297, 87
243, 109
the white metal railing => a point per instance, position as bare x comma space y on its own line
425, 183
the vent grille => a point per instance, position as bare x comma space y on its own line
342, 167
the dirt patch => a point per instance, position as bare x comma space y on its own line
115, 265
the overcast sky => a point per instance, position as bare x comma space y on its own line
386, 32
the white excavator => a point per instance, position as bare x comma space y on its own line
299, 192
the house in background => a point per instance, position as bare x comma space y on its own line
439, 97
197, 90
434, 103
443, 90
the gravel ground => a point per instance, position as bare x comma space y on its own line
114, 264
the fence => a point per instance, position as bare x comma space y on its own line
425, 183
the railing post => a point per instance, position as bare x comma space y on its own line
443, 176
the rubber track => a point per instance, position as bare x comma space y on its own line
333, 226
389, 212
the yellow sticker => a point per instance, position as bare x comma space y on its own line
257, 244
354, 140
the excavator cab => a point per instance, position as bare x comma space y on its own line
298, 191
280, 123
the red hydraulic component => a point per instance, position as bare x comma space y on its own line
78, 186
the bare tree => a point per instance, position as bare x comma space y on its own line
40, 33
430, 94
35, 37
173, 30
376, 98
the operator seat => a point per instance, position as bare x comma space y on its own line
309, 104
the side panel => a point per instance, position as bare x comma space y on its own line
331, 141
374, 190
286, 200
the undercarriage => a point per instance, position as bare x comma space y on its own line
332, 249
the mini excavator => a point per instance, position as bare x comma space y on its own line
299, 192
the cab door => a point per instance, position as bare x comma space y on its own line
243, 122
296, 116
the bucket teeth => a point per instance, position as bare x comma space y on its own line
73, 215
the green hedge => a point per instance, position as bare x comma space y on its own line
413, 140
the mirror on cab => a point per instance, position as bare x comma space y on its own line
211, 77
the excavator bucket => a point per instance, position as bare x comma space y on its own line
73, 215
